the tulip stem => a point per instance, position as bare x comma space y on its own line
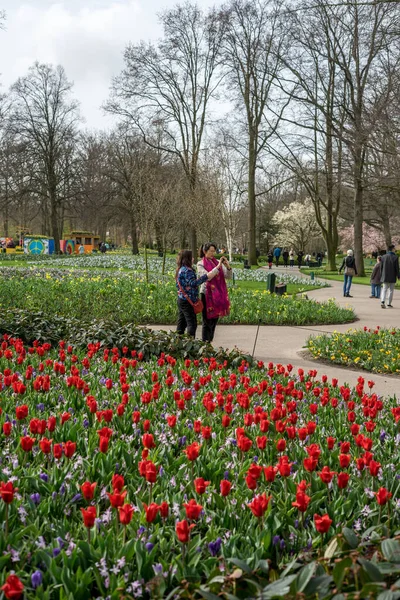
124, 538
6, 532
88, 534
151, 493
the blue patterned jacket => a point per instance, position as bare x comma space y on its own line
189, 283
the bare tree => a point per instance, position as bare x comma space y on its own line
167, 88
253, 45
44, 117
358, 39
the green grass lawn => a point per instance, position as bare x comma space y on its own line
291, 288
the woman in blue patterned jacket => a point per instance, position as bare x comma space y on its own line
188, 287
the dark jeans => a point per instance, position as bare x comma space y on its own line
209, 325
277, 260
186, 318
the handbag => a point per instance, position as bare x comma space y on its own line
197, 306
350, 271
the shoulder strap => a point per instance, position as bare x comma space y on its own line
184, 293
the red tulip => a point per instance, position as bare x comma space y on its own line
164, 509
326, 475
125, 514
270, 473
151, 511
7, 427
151, 472
89, 516
192, 451
259, 505
201, 485
383, 496
13, 588
117, 482
322, 524
225, 487
88, 490
193, 509
7, 491
69, 449
45, 445
27, 443
302, 501
183, 531
57, 451
116, 499
344, 460
148, 441
374, 468
21, 412
103, 444
343, 480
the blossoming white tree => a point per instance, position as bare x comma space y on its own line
297, 226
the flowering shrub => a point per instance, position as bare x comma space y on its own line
374, 350
125, 478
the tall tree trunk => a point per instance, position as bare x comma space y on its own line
386, 226
252, 254
358, 212
135, 246
6, 210
193, 241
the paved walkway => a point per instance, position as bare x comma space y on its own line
286, 344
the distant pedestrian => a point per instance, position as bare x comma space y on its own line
376, 279
319, 258
285, 256
277, 253
389, 275
270, 259
308, 259
300, 257
291, 258
349, 266
81, 249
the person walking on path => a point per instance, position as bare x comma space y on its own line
389, 275
277, 253
188, 290
300, 257
291, 258
376, 279
270, 259
285, 256
214, 295
349, 266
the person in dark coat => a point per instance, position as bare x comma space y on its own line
285, 256
376, 279
389, 275
300, 257
349, 266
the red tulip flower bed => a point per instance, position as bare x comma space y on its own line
122, 478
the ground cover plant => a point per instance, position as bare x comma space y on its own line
123, 478
128, 298
376, 350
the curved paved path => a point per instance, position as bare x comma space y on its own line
281, 344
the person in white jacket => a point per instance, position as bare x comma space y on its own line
213, 293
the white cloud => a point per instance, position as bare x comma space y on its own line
87, 37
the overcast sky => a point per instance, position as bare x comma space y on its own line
87, 37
